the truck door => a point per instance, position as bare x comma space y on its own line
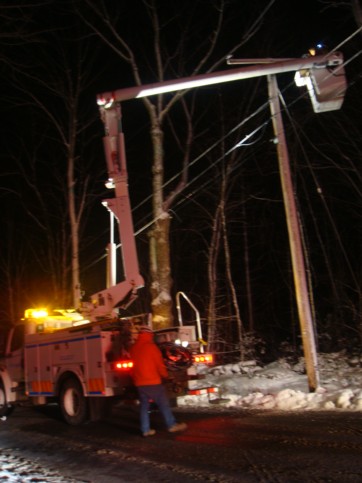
15, 353
4, 335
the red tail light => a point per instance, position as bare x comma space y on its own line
203, 359
124, 365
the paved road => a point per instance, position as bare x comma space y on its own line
219, 446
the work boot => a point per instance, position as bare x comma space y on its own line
177, 427
150, 432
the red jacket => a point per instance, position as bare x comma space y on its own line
148, 365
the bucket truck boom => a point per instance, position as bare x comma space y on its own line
105, 303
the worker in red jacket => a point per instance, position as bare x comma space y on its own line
148, 372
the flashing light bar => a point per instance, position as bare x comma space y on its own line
124, 365
203, 359
35, 313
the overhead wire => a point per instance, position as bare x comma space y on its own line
335, 49
258, 110
261, 108
297, 132
146, 224
241, 143
186, 197
208, 150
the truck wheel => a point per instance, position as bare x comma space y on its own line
73, 404
5, 408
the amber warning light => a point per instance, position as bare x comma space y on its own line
124, 365
204, 359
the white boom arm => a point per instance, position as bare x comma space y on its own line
324, 86
103, 303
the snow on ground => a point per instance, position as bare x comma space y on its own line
14, 468
284, 386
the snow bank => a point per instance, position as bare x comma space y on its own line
281, 386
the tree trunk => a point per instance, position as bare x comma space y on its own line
214, 248
161, 282
74, 230
239, 324
249, 293
160, 266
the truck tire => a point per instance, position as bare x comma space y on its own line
73, 404
5, 408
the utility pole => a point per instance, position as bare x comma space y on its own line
300, 281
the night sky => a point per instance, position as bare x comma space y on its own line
48, 46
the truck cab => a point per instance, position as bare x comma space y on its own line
11, 366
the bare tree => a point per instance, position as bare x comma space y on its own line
50, 88
13, 262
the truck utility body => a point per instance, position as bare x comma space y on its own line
89, 354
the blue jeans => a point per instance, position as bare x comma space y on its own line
156, 393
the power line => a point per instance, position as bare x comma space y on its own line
260, 109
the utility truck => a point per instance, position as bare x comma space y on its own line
80, 359
85, 366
